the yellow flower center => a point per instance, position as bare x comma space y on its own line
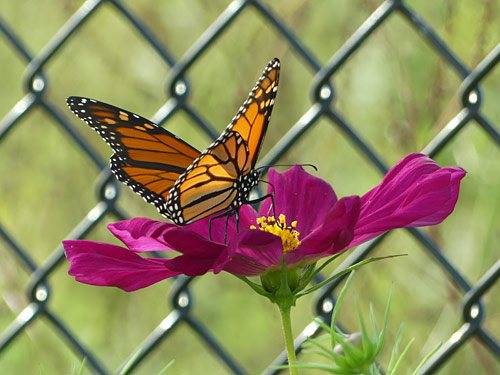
289, 236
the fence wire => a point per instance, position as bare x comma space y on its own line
36, 80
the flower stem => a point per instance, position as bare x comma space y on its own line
287, 329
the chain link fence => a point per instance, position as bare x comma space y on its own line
38, 83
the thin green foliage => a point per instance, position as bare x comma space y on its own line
338, 274
74, 370
394, 361
356, 353
82, 366
126, 368
163, 371
422, 363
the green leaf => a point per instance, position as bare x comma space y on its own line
323, 325
327, 354
381, 337
163, 371
322, 347
402, 356
130, 362
367, 343
82, 366
427, 357
373, 319
337, 306
256, 287
306, 277
343, 272
311, 275
394, 354
332, 369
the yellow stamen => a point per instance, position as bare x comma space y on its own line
289, 236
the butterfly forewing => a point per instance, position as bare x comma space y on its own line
147, 157
253, 117
229, 159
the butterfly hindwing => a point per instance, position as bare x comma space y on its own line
210, 186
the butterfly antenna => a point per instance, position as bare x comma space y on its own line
286, 165
267, 182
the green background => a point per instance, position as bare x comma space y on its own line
396, 91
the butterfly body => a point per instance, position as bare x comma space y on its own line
184, 184
233, 189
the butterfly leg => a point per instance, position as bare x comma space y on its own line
226, 214
258, 200
254, 201
210, 228
237, 213
225, 231
270, 195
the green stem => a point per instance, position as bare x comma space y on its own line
287, 329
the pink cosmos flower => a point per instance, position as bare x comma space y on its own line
313, 224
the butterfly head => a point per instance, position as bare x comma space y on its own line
244, 185
253, 177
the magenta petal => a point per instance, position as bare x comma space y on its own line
218, 225
333, 236
199, 254
300, 196
252, 252
248, 216
218, 228
415, 192
103, 264
142, 234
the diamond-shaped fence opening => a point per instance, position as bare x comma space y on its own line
399, 77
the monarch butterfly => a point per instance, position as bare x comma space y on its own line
184, 184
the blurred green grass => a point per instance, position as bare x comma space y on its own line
395, 91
